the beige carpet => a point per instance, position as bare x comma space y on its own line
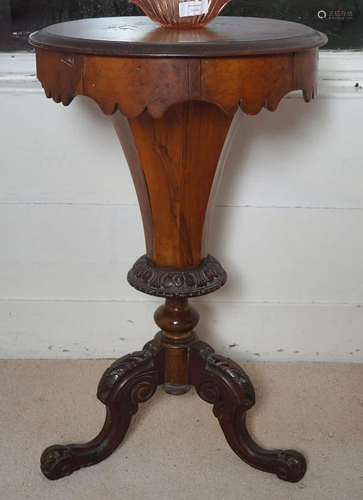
175, 449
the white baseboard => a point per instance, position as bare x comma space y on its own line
244, 331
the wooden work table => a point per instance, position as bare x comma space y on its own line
173, 95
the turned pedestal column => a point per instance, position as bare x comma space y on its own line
172, 95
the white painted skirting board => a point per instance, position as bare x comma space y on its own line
252, 332
287, 227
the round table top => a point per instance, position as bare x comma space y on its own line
140, 37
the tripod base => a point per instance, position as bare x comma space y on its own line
133, 379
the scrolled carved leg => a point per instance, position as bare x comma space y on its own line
223, 383
130, 380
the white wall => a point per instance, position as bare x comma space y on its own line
288, 228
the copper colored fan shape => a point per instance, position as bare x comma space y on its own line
171, 14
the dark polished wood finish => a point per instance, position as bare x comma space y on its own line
133, 379
172, 95
138, 36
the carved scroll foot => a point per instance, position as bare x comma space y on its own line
130, 380
224, 384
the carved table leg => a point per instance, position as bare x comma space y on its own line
223, 383
130, 380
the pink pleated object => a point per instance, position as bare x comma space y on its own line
181, 14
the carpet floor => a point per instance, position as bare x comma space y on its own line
175, 449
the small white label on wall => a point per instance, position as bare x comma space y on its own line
195, 8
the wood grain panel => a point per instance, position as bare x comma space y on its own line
155, 84
60, 74
179, 175
249, 82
